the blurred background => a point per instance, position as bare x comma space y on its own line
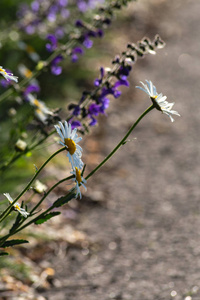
135, 234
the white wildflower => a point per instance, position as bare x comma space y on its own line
159, 101
79, 180
70, 140
16, 206
7, 75
41, 110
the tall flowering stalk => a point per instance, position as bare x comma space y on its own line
69, 139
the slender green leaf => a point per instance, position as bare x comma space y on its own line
4, 253
63, 200
47, 217
13, 243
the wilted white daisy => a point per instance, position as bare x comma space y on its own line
8, 76
16, 206
41, 110
79, 180
159, 101
70, 140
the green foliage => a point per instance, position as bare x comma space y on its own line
3, 253
47, 217
11, 243
63, 200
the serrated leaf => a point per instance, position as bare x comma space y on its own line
63, 200
4, 253
47, 217
13, 243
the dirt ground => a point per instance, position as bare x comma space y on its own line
143, 219
141, 214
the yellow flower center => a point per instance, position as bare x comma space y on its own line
71, 146
36, 103
28, 73
1, 70
78, 175
17, 207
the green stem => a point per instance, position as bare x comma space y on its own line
3, 239
46, 194
121, 142
8, 210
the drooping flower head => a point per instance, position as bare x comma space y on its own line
16, 206
42, 112
7, 75
158, 100
70, 140
79, 180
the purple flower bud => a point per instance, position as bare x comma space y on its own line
63, 3
59, 33
65, 13
76, 110
82, 6
79, 23
105, 104
97, 81
5, 83
121, 82
87, 43
117, 93
93, 109
75, 51
35, 5
55, 69
93, 121
30, 29
32, 88
75, 124
100, 33
53, 43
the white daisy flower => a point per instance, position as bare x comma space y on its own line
70, 140
79, 180
16, 206
159, 101
41, 110
8, 76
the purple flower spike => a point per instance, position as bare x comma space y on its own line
53, 43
